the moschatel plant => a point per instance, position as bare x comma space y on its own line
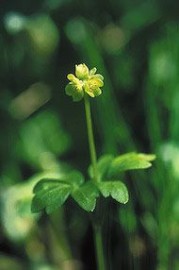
103, 172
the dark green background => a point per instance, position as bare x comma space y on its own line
135, 46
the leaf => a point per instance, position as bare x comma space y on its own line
16, 217
86, 196
116, 189
52, 193
45, 135
130, 161
49, 195
74, 178
103, 165
45, 184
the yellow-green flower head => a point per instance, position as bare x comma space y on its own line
84, 81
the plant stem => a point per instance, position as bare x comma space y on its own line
92, 148
96, 227
99, 247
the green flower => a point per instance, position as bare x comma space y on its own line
85, 81
81, 71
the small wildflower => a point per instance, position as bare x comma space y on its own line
85, 81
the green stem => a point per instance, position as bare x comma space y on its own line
99, 248
97, 227
91, 137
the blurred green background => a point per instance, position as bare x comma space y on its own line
135, 45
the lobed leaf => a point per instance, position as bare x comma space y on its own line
116, 189
130, 161
86, 196
74, 178
45, 184
49, 195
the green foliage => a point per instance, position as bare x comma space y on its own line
108, 166
86, 196
130, 161
52, 193
116, 189
15, 206
135, 46
102, 166
127, 218
42, 138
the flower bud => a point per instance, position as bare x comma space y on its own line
81, 71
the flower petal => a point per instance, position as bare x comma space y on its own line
73, 90
95, 82
97, 92
92, 87
71, 77
81, 71
92, 71
88, 90
97, 76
